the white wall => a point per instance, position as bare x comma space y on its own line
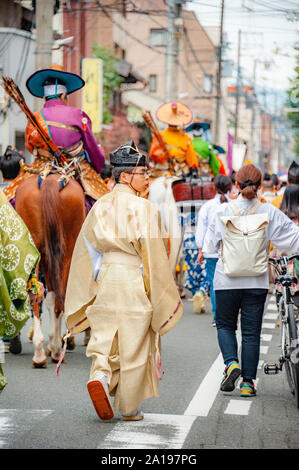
17, 60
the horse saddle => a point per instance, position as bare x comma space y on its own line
63, 179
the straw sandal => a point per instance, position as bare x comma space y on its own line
136, 415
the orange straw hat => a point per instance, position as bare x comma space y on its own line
174, 114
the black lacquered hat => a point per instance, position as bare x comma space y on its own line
127, 155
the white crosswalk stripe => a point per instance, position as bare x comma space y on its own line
264, 349
260, 364
156, 431
238, 407
18, 421
265, 337
271, 305
268, 326
271, 316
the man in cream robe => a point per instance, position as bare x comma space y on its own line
121, 285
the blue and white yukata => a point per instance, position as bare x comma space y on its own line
196, 275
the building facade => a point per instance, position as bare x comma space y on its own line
139, 37
17, 46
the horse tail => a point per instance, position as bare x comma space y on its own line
54, 237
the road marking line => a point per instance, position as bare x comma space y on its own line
265, 337
238, 407
260, 364
272, 304
170, 431
203, 399
156, 431
270, 326
271, 316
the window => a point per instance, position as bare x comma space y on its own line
20, 141
208, 83
158, 37
153, 83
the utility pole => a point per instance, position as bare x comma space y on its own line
239, 89
172, 54
253, 114
264, 129
44, 35
218, 99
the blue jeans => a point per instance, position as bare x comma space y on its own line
251, 303
210, 268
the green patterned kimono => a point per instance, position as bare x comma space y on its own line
18, 259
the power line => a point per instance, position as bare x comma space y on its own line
272, 8
127, 32
193, 51
146, 45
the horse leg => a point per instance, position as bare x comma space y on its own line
86, 336
39, 359
56, 340
54, 345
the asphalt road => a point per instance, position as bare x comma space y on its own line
39, 410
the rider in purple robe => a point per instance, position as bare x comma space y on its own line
68, 127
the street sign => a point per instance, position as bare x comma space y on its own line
92, 96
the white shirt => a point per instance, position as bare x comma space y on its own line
281, 231
205, 216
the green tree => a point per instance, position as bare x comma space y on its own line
293, 102
111, 78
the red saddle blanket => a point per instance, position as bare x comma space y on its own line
193, 190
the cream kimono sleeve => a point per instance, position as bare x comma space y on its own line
82, 286
158, 278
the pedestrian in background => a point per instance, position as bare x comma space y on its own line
276, 182
245, 292
268, 192
290, 203
223, 185
290, 207
19, 286
10, 165
234, 191
292, 178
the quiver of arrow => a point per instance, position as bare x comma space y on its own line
33, 139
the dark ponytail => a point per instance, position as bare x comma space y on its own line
223, 185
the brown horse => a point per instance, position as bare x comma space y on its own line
54, 218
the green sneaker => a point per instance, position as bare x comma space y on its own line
247, 389
231, 373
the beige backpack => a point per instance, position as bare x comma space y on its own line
244, 247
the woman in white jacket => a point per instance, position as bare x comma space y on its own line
247, 293
223, 185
